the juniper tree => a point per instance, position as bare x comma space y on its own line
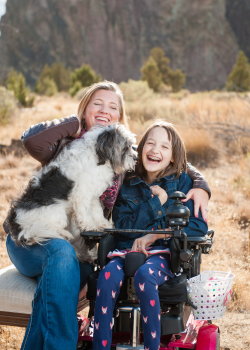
239, 78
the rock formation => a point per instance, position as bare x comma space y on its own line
116, 36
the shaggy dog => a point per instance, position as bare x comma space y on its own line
62, 200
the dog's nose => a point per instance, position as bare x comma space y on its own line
135, 157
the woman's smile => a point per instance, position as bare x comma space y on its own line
102, 109
102, 119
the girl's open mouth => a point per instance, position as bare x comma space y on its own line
153, 159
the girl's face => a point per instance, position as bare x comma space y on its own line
157, 152
103, 109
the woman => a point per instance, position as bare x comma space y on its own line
53, 323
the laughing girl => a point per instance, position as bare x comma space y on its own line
142, 204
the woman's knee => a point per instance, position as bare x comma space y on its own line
62, 257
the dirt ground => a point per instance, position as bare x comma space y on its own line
228, 216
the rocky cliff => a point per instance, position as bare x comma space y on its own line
115, 37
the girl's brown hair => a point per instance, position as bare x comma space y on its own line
179, 156
102, 85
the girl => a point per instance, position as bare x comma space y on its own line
142, 204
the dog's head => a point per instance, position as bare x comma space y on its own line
114, 145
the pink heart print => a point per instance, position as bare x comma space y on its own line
107, 275
104, 342
152, 302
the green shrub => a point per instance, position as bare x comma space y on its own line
61, 76
75, 88
163, 64
135, 90
177, 79
16, 82
46, 86
8, 105
157, 72
239, 78
151, 73
53, 79
81, 77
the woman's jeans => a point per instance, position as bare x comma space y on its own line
53, 323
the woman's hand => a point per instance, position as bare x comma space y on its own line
200, 198
140, 244
160, 192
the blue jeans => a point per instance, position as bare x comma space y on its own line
53, 323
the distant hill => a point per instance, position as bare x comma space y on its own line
202, 37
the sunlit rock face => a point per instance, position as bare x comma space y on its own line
116, 36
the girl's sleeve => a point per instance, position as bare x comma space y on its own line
129, 216
198, 179
197, 226
41, 140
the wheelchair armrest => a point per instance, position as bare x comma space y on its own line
106, 245
197, 239
95, 236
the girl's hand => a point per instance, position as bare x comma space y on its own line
200, 198
140, 244
160, 192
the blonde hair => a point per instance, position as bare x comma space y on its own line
179, 163
102, 85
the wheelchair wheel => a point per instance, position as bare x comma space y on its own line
218, 342
83, 345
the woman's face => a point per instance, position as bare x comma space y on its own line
157, 152
103, 109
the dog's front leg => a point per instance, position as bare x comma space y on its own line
82, 208
98, 217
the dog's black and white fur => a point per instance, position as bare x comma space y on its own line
62, 200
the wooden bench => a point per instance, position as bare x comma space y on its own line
16, 295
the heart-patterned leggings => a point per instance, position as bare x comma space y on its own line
147, 278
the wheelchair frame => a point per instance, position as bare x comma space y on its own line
183, 331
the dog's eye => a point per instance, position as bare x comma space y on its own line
124, 151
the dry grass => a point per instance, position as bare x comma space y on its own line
228, 177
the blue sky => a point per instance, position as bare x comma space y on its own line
2, 7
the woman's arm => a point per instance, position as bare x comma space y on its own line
198, 179
41, 141
197, 225
200, 193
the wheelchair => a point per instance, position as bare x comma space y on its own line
179, 330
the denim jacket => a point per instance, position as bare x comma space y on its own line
135, 208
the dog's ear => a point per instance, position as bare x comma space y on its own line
105, 146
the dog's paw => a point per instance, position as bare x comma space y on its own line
66, 234
106, 224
